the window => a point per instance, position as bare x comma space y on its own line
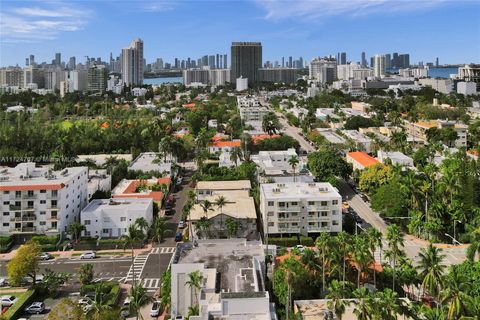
106, 219
271, 224
54, 215
271, 203
53, 203
18, 194
270, 213
334, 212
43, 201
43, 212
6, 224
6, 192
311, 224
6, 203
30, 193
324, 224
87, 233
86, 222
6, 213
43, 191
335, 222
294, 214
324, 213
105, 230
123, 219
54, 193
311, 214
334, 202
281, 204
311, 203
54, 224
294, 224
294, 203
324, 203
30, 204
200, 192
282, 225
42, 223
281, 215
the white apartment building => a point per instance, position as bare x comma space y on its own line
251, 109
395, 157
242, 84
467, 88
361, 141
300, 207
379, 66
232, 285
441, 85
98, 180
345, 71
41, 201
276, 162
110, 218
206, 189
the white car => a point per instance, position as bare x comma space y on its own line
126, 302
156, 307
35, 308
181, 224
179, 181
88, 255
45, 256
7, 301
3, 282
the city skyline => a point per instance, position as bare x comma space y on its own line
285, 28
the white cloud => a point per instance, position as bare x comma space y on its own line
321, 9
158, 6
40, 23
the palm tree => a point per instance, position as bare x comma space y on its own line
110, 163
454, 294
336, 293
388, 304
232, 226
220, 202
194, 282
361, 255
293, 162
362, 308
75, 229
375, 241
142, 224
395, 243
322, 244
236, 155
99, 302
202, 226
133, 236
474, 247
343, 242
206, 205
139, 299
166, 147
431, 269
160, 229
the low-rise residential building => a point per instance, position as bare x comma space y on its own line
151, 161
299, 112
419, 129
110, 218
395, 157
98, 180
441, 85
232, 285
238, 211
361, 141
251, 109
466, 88
205, 189
223, 146
361, 106
331, 136
40, 200
360, 160
276, 162
142, 188
300, 208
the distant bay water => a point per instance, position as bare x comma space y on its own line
159, 81
442, 72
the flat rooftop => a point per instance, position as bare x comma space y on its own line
224, 185
331, 136
119, 205
147, 162
239, 206
25, 176
297, 190
233, 259
357, 136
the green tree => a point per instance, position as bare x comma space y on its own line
455, 295
336, 294
221, 202
85, 273
362, 306
236, 155
142, 225
474, 247
388, 201
233, 226
395, 244
431, 269
361, 256
24, 263
374, 177
327, 163
160, 229
322, 243
66, 309
195, 282
75, 229
293, 162
165, 288
139, 299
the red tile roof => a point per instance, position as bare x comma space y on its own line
189, 105
363, 158
131, 190
259, 137
222, 144
32, 187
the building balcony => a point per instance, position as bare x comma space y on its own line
23, 230
29, 196
13, 207
24, 218
289, 209
291, 219
318, 229
290, 229
318, 208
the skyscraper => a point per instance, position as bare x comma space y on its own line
388, 61
132, 63
364, 60
404, 60
72, 63
97, 78
395, 61
343, 58
246, 60
283, 62
225, 64
379, 65
290, 63
58, 59
436, 62
32, 59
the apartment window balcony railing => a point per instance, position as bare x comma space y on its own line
29, 196
23, 229
14, 207
24, 218
290, 209
294, 219
291, 229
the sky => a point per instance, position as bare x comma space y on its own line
426, 29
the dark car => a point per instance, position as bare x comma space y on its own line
169, 212
178, 236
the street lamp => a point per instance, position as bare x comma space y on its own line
454, 224
358, 225
454, 241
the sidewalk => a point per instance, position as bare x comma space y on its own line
71, 253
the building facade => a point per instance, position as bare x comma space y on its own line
132, 63
246, 59
300, 208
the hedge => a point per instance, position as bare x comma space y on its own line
6, 243
291, 241
17, 309
112, 289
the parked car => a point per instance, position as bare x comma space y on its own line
3, 282
7, 301
181, 224
35, 308
179, 318
300, 247
126, 302
88, 255
170, 212
179, 181
156, 308
178, 236
45, 256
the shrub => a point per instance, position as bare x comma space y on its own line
23, 301
46, 240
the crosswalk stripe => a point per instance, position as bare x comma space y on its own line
138, 264
163, 250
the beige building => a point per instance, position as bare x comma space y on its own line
205, 189
419, 129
